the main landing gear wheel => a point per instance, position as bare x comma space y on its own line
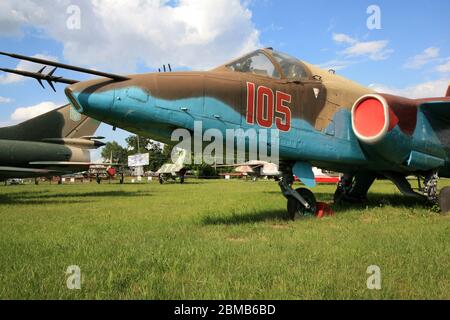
444, 200
297, 210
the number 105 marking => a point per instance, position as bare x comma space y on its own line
268, 107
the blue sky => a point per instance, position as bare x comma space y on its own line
409, 55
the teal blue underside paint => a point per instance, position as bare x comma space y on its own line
137, 111
336, 147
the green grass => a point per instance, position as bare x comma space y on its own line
215, 240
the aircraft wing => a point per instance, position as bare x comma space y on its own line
267, 169
438, 109
70, 163
254, 166
170, 168
25, 170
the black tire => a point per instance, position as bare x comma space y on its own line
444, 200
297, 210
181, 180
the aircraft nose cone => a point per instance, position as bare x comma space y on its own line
73, 100
91, 98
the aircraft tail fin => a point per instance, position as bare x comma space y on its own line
448, 91
182, 154
64, 122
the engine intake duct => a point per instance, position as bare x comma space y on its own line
384, 125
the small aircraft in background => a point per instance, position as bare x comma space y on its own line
326, 177
106, 171
261, 169
255, 169
174, 171
56, 143
324, 120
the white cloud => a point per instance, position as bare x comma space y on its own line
357, 51
26, 113
119, 35
436, 88
374, 50
5, 100
445, 67
343, 38
25, 66
427, 56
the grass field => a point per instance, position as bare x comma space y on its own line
215, 240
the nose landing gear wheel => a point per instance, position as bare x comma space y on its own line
297, 210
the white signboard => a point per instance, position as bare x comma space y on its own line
139, 160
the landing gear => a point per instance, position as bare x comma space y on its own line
430, 190
430, 187
297, 209
354, 188
343, 188
301, 202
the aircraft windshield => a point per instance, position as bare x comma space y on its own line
257, 63
292, 68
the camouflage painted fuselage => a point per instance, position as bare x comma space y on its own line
313, 114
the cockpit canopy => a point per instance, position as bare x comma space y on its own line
270, 63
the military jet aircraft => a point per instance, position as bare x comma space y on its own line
173, 171
255, 169
324, 120
53, 144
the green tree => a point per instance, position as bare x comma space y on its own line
145, 144
119, 153
156, 151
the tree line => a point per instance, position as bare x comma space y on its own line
159, 154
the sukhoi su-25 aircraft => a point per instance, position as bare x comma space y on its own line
324, 120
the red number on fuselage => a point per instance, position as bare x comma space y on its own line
250, 103
268, 107
264, 114
283, 109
